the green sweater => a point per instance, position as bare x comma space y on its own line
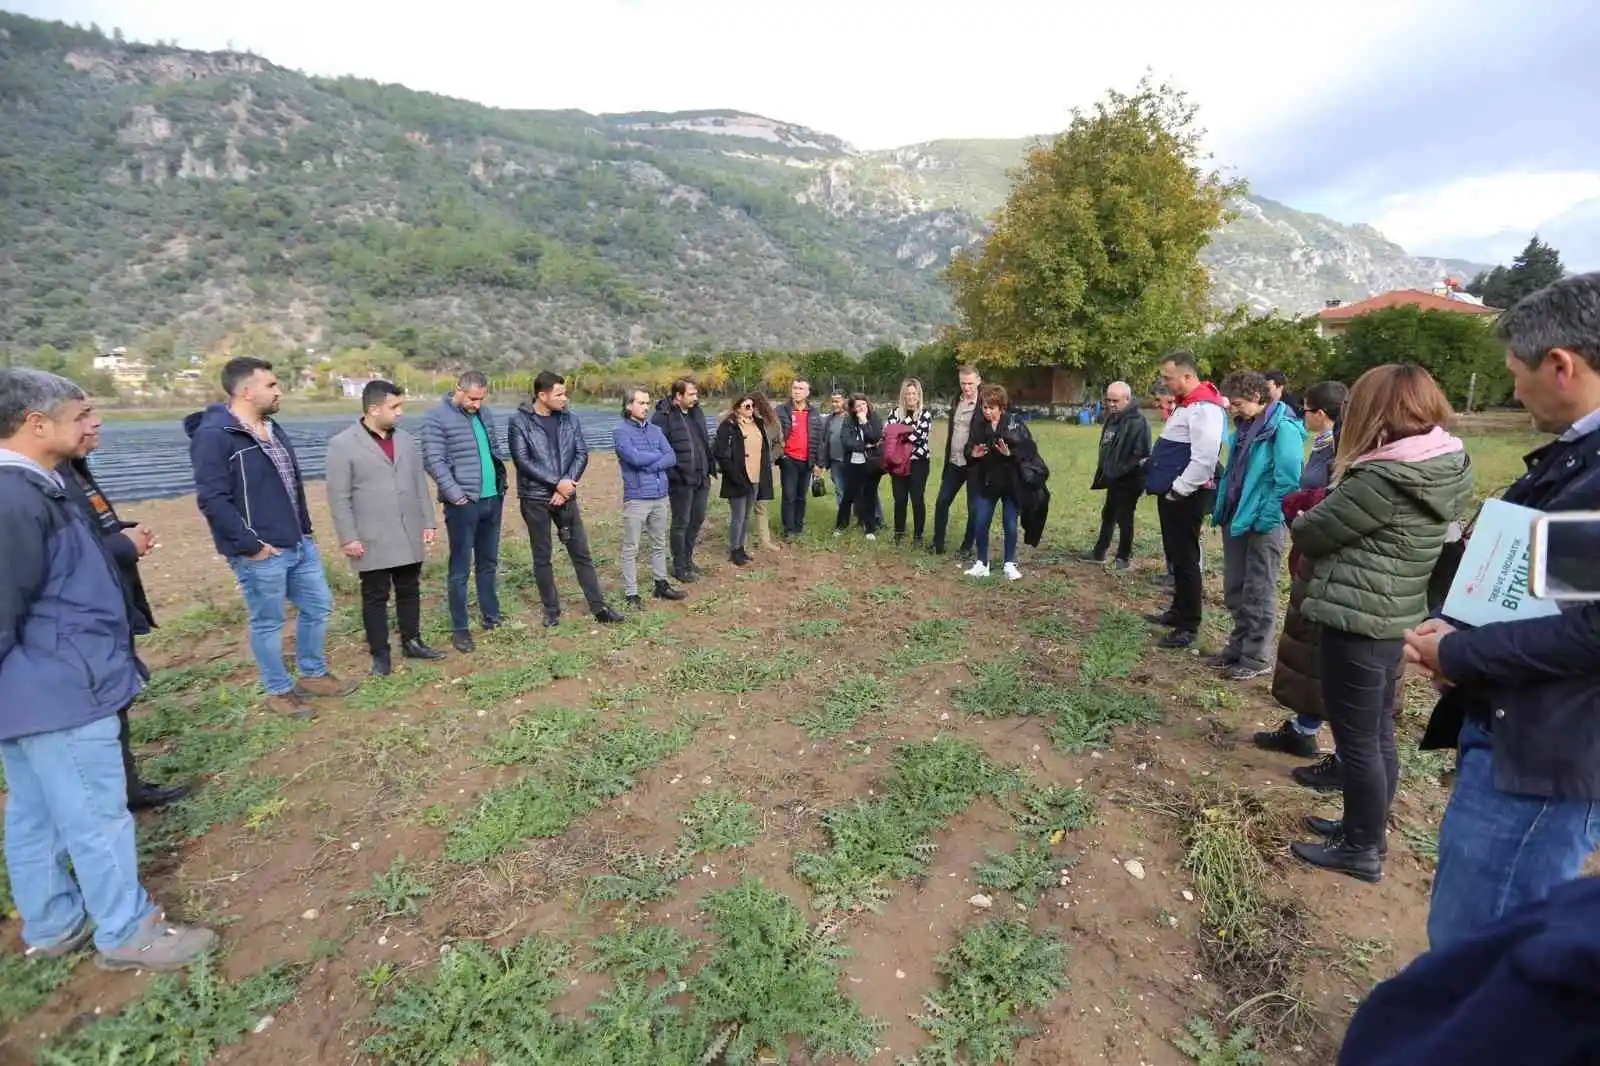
1374, 541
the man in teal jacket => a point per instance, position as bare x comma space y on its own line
1264, 461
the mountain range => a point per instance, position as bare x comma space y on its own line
150, 188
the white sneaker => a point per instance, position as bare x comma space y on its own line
872, 536
838, 532
978, 570
1012, 573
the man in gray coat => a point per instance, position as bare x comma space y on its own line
466, 458
385, 521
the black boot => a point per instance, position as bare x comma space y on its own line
381, 666
1328, 828
1165, 618
665, 591
738, 558
144, 797
1322, 775
552, 619
1341, 856
413, 648
608, 615
1092, 557
462, 641
1176, 640
1289, 740
684, 575
634, 601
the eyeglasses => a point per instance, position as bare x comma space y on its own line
747, 407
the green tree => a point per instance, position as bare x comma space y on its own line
935, 366
1266, 342
882, 369
824, 369
1538, 265
1451, 347
744, 370
1094, 260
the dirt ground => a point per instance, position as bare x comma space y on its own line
372, 781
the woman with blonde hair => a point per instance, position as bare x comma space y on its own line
906, 462
1400, 479
767, 418
744, 459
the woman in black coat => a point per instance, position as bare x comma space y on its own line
745, 460
862, 438
995, 452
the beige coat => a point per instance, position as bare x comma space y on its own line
384, 505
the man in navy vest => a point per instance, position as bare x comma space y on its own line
1182, 475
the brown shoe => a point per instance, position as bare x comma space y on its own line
326, 685
290, 705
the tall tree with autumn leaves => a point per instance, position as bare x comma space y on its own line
1093, 262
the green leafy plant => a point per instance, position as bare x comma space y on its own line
380, 693
1206, 1047
539, 735
829, 595
28, 981
999, 689
718, 820
1084, 716
817, 628
637, 877
1115, 648
395, 892
996, 971
930, 640
720, 670
1044, 813
641, 950
1025, 873
849, 699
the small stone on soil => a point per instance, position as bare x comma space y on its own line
981, 902
1136, 868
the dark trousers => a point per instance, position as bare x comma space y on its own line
1359, 676
125, 738
1122, 500
407, 582
688, 505
795, 478
474, 532
567, 521
952, 480
913, 487
861, 494
1181, 520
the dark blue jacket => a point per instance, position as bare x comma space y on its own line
66, 649
1535, 683
238, 487
540, 467
1523, 992
691, 441
645, 457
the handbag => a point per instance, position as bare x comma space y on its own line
817, 488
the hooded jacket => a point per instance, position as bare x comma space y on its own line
1373, 541
1184, 460
238, 488
66, 648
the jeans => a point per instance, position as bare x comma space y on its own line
69, 800
293, 575
952, 480
474, 532
983, 508
637, 517
688, 505
915, 487
836, 473
1122, 500
1181, 520
1359, 676
739, 510
407, 582
795, 475
568, 522
860, 495
1250, 566
1499, 851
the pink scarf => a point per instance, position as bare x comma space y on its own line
1429, 445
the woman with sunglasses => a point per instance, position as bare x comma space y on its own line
745, 461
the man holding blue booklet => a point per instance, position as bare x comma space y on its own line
1522, 702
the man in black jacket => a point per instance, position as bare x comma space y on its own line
127, 543
966, 415
1524, 815
689, 483
1124, 446
548, 448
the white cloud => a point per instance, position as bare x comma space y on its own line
1499, 208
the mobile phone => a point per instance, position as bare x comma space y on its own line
1564, 556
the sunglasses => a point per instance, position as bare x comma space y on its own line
747, 407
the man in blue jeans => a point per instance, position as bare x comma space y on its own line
66, 670
1524, 696
466, 458
248, 485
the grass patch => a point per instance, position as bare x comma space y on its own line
720, 670
997, 971
830, 595
179, 1021
715, 821
1423, 840
226, 799
931, 640
185, 679
539, 735
28, 981
849, 699
888, 838
1115, 648
493, 687
1052, 628
1026, 873
565, 781
395, 893
883, 595
381, 693
1202, 1044
998, 689
818, 628
1085, 716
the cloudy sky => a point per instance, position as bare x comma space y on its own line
1455, 128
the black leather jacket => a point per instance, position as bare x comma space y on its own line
541, 467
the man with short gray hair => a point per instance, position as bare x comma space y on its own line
466, 458
66, 670
1124, 447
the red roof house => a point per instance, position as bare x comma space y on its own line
1333, 319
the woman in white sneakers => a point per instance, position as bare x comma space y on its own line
995, 452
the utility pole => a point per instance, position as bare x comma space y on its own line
1472, 391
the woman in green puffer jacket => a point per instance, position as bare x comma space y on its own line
1372, 543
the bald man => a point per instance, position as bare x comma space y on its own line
1124, 447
